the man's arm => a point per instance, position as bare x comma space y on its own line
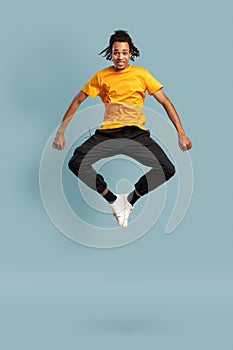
184, 142
59, 141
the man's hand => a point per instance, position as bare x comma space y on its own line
59, 141
184, 142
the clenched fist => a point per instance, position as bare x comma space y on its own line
59, 141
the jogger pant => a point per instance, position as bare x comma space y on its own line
130, 141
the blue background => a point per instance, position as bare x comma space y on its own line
162, 291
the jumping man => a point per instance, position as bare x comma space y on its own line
122, 88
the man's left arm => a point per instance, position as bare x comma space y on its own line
184, 142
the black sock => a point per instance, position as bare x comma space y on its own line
133, 197
110, 197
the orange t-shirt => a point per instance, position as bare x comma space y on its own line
123, 93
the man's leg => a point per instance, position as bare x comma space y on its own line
109, 196
81, 163
162, 170
148, 152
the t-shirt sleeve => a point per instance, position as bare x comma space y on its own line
92, 86
152, 84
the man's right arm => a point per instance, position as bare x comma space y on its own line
59, 140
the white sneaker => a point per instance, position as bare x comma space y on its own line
118, 208
121, 209
127, 211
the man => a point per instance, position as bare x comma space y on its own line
122, 88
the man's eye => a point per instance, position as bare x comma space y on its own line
123, 53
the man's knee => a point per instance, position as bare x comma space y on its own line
170, 171
74, 164
79, 163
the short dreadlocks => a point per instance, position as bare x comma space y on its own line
121, 36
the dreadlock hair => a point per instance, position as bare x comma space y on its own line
121, 36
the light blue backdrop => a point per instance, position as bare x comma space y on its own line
161, 291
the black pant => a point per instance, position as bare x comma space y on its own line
128, 140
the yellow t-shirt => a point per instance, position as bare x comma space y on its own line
123, 93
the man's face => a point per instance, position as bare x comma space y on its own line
120, 55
